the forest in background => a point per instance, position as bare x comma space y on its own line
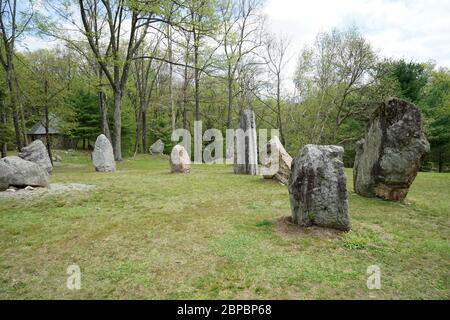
136, 70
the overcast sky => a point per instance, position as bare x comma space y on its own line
412, 29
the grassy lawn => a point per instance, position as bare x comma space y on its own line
147, 234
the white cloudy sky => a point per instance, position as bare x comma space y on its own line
410, 29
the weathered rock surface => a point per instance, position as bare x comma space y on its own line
37, 152
245, 145
276, 162
388, 158
57, 158
17, 172
317, 188
179, 160
103, 155
157, 147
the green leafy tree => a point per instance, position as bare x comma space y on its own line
435, 106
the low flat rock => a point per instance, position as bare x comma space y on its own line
103, 155
16, 172
317, 188
52, 189
37, 152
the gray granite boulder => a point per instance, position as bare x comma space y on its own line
179, 160
16, 172
245, 145
317, 188
37, 152
389, 157
103, 155
157, 147
276, 162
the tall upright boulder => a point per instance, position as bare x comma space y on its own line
389, 157
179, 160
245, 145
37, 152
103, 155
17, 172
276, 162
317, 188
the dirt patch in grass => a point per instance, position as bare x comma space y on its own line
54, 188
286, 228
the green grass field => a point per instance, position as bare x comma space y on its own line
144, 233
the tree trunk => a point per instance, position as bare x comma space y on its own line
47, 134
4, 121
15, 114
144, 130
172, 103
441, 160
230, 98
47, 123
138, 129
280, 125
196, 80
185, 97
23, 127
103, 107
117, 140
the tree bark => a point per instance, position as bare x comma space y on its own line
441, 160
230, 98
4, 121
23, 127
280, 125
172, 103
14, 106
47, 124
144, 131
196, 78
103, 109
117, 145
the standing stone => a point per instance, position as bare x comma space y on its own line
16, 172
37, 152
179, 160
157, 147
317, 188
245, 148
103, 155
276, 162
388, 158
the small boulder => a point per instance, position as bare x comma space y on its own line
157, 147
16, 172
179, 160
103, 155
56, 158
37, 152
276, 162
317, 188
389, 157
